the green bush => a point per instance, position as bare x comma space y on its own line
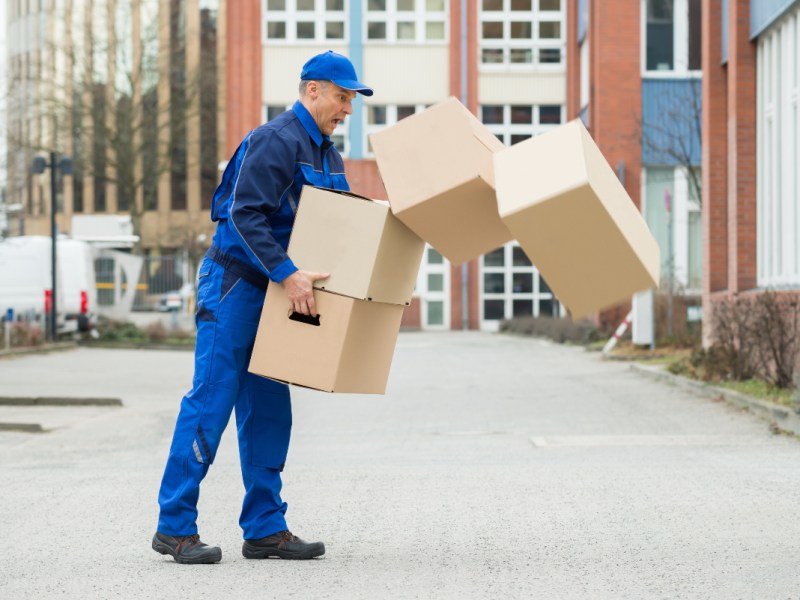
154, 333
118, 331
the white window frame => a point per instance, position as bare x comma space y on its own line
682, 207
291, 17
778, 154
535, 44
340, 136
505, 130
508, 295
427, 296
420, 16
680, 44
584, 73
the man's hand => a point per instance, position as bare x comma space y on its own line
300, 290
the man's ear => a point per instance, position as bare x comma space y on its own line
313, 89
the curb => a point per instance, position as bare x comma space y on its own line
137, 346
57, 401
23, 427
783, 417
43, 349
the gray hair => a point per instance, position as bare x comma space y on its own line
304, 84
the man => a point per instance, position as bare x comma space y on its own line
254, 206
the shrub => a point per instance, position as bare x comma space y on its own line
180, 335
753, 336
155, 332
561, 330
118, 331
26, 334
777, 323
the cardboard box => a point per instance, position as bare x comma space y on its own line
349, 351
369, 253
572, 216
437, 169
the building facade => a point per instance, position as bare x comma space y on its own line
634, 77
751, 148
132, 91
504, 59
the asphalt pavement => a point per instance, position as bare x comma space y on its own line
494, 467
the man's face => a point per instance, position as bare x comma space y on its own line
329, 105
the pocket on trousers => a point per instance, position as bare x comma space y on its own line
204, 285
229, 280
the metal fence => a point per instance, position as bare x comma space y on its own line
161, 276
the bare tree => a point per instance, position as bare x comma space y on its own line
120, 108
670, 132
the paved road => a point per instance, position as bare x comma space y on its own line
495, 467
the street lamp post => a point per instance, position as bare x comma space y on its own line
38, 167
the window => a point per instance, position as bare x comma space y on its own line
778, 154
672, 35
514, 123
512, 287
340, 137
672, 212
305, 20
433, 290
406, 21
584, 74
521, 32
378, 116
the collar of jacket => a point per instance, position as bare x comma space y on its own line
309, 124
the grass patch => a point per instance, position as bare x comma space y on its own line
155, 333
758, 388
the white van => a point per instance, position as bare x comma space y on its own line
78, 288
26, 281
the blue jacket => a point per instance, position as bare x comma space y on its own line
256, 201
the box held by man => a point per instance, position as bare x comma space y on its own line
368, 252
347, 348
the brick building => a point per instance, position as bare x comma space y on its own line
130, 90
634, 78
751, 147
504, 59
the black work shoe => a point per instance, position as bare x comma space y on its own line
283, 545
186, 549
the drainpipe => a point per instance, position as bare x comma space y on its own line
464, 269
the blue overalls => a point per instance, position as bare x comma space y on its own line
254, 206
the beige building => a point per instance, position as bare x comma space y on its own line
131, 91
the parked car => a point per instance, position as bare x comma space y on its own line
177, 300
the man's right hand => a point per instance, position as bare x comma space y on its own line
300, 291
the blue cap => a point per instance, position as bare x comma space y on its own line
330, 66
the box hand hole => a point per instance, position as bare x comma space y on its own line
307, 319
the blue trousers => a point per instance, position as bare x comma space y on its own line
228, 310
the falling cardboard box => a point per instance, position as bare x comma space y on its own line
369, 254
437, 169
563, 203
